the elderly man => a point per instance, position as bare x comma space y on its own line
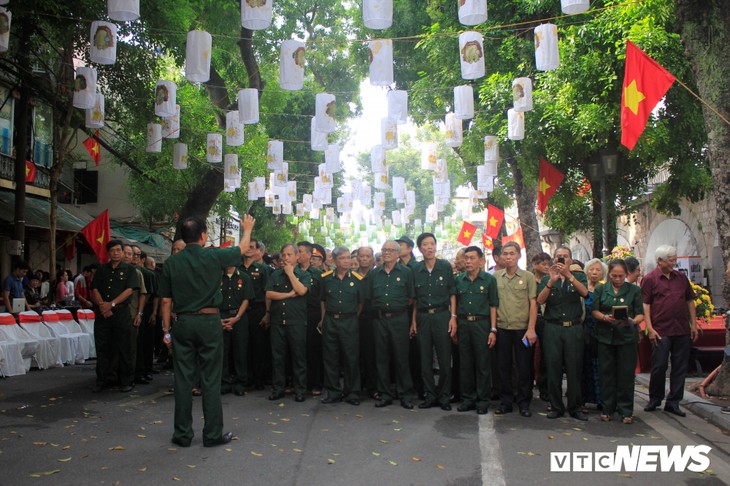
368, 369
669, 312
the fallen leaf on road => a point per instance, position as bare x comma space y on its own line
46, 473
257, 454
439, 466
382, 441
65, 447
397, 430
191, 466
396, 422
392, 463
175, 478
417, 459
281, 405
358, 415
641, 435
141, 436
551, 436
285, 420
568, 433
228, 449
40, 443
118, 448
376, 453
271, 423
577, 428
65, 459
297, 450
277, 431
142, 469
330, 461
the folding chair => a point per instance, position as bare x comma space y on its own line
86, 322
66, 319
11, 357
49, 346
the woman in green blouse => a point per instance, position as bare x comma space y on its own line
618, 310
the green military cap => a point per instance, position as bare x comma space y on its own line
406, 240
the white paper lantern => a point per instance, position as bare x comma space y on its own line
399, 189
522, 94
103, 48
324, 113
123, 10
214, 148
84, 87
397, 217
234, 129
274, 154
95, 114
491, 148
491, 168
428, 156
248, 106
171, 125
471, 55
180, 156
377, 159
381, 62
547, 55
165, 98
431, 213
388, 134
291, 65
571, 7
379, 201
154, 137
454, 131
197, 56
281, 176
332, 159
398, 106
411, 200
441, 173
377, 14
380, 180
6, 17
256, 14
472, 12
230, 166
291, 191
515, 124
318, 140
464, 102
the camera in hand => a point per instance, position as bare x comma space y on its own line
561, 260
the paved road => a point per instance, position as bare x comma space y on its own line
54, 431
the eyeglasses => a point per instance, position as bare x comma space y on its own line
389, 250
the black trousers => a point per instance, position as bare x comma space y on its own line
368, 368
676, 348
259, 351
509, 346
315, 365
542, 367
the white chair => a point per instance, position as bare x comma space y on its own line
49, 346
66, 319
68, 343
11, 357
86, 322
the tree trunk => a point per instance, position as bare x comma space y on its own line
704, 27
22, 122
526, 202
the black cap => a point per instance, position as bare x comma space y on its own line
318, 251
406, 240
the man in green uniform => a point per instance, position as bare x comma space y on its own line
391, 292
237, 291
287, 290
192, 280
112, 288
476, 308
341, 304
368, 369
562, 292
315, 369
434, 320
407, 258
259, 353
318, 254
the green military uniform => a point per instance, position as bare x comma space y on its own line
617, 347
368, 368
390, 294
474, 300
563, 340
414, 350
235, 289
433, 312
134, 309
340, 333
146, 333
192, 279
259, 351
114, 333
315, 370
289, 330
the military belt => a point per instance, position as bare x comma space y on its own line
566, 323
341, 315
474, 317
204, 310
433, 310
387, 314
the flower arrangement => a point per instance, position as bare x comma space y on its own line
703, 303
619, 251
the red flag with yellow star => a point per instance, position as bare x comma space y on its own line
98, 234
548, 181
466, 233
29, 172
495, 218
645, 82
94, 149
517, 237
487, 242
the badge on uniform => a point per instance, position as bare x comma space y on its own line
352, 284
441, 278
520, 282
397, 279
481, 287
621, 299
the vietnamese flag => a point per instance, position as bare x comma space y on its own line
98, 234
29, 172
645, 83
466, 233
94, 149
495, 218
70, 252
517, 237
548, 181
487, 242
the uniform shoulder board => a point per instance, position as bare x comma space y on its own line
328, 273
357, 275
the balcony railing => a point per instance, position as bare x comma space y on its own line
7, 171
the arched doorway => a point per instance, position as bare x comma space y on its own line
671, 232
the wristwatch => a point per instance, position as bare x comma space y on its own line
113, 304
494, 330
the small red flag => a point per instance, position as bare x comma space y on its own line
548, 181
94, 149
517, 237
29, 171
97, 233
466, 233
226, 244
487, 242
645, 83
70, 247
495, 218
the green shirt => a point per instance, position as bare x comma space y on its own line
313, 296
259, 275
235, 289
342, 295
390, 292
192, 278
294, 309
514, 298
604, 298
476, 297
434, 288
110, 282
564, 304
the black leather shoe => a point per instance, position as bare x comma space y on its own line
126, 388
239, 393
579, 415
299, 398
446, 407
329, 400
482, 411
181, 442
383, 403
353, 401
147, 376
141, 381
222, 440
407, 404
225, 391
97, 388
652, 406
276, 396
675, 410
503, 410
465, 407
553, 414
525, 412
426, 404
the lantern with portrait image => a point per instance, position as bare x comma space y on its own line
547, 55
381, 62
570, 7
491, 148
103, 48
230, 166
472, 12
234, 129
123, 10
214, 148
428, 155
154, 137
377, 159
388, 134
197, 56
256, 14
471, 55
165, 98
522, 94
6, 16
291, 65
398, 106
171, 125
84, 87
515, 124
454, 131
95, 114
463, 102
274, 154
180, 156
248, 106
377, 14
318, 140
324, 112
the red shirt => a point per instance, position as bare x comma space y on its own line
668, 298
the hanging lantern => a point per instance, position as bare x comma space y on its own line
570, 7
396, 217
464, 102
103, 42
547, 55
318, 140
515, 124
214, 148
6, 16
274, 154
291, 65
332, 158
491, 168
471, 55
248, 106
171, 125
482, 176
522, 94
165, 98
380, 180
230, 166
411, 200
441, 173
291, 190
381, 62
234, 129
398, 106
95, 114
388, 134
428, 156
180, 156
300, 210
377, 159
197, 56
377, 14
281, 176
399, 189
256, 14
229, 185
379, 201
154, 137
454, 131
491, 148
84, 87
123, 10
325, 112
472, 12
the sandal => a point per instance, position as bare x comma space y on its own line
197, 392
606, 418
628, 420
